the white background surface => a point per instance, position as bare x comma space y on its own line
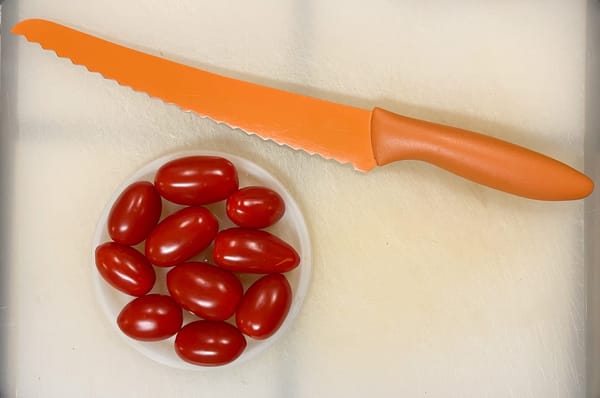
423, 284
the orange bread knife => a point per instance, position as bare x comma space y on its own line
365, 138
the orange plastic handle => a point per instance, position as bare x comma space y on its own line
483, 159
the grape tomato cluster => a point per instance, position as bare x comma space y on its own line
225, 314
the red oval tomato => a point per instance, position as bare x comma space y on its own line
255, 207
180, 236
207, 291
150, 318
124, 268
253, 251
196, 180
209, 343
264, 306
134, 213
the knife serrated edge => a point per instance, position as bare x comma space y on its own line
220, 122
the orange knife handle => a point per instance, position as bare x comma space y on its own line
483, 159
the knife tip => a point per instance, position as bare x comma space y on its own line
26, 25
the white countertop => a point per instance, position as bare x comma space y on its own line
424, 284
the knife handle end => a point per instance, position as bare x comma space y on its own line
482, 159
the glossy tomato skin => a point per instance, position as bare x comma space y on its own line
124, 268
207, 291
255, 207
264, 306
209, 343
135, 212
180, 236
150, 318
196, 180
253, 251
